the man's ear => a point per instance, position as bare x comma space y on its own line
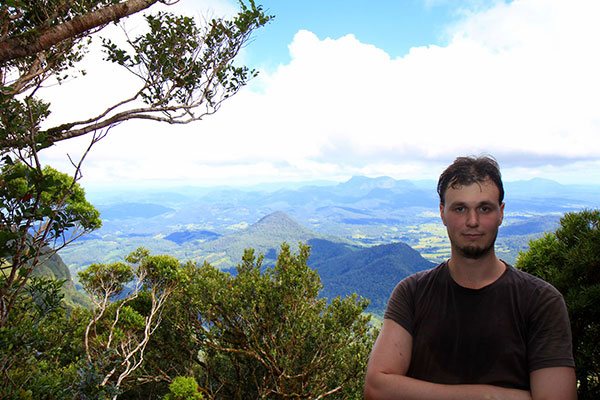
442, 214
501, 217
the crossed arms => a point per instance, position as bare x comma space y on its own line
389, 361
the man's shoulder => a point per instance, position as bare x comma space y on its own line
418, 280
427, 274
526, 282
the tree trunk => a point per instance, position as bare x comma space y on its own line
13, 48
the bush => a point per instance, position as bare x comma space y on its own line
569, 259
184, 388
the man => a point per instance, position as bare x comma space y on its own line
474, 327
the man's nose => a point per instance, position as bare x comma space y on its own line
472, 218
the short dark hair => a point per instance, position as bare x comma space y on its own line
465, 171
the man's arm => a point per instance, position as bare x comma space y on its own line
388, 364
558, 383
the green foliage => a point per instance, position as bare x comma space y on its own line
178, 60
35, 199
186, 72
42, 211
184, 388
39, 346
27, 20
160, 271
570, 260
119, 331
267, 334
261, 333
181, 66
101, 280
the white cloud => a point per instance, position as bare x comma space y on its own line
517, 80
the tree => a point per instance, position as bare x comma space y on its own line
266, 334
569, 259
40, 347
117, 334
185, 72
43, 210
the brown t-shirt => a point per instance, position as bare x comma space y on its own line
496, 335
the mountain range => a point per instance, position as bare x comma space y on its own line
339, 220
344, 268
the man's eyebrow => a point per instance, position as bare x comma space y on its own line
481, 203
457, 203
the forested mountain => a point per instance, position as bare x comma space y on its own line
55, 268
370, 272
264, 236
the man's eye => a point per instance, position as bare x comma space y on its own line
459, 209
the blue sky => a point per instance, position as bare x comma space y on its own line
397, 88
394, 26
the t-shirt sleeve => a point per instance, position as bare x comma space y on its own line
549, 341
400, 307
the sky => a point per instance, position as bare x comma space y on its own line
395, 88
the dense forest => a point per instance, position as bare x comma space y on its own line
263, 333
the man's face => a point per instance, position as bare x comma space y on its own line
472, 216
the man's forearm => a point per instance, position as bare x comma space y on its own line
381, 386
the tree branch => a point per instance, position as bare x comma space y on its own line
28, 45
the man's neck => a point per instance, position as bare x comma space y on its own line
475, 273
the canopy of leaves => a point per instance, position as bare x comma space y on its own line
569, 259
40, 348
38, 208
185, 70
266, 334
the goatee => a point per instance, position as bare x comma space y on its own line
475, 252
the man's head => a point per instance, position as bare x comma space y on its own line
471, 206
465, 171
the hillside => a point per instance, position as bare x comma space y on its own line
55, 268
344, 268
370, 272
264, 236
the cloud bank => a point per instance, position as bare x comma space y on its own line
519, 81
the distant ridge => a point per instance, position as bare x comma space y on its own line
188, 236
132, 210
264, 236
371, 272
362, 211
365, 184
